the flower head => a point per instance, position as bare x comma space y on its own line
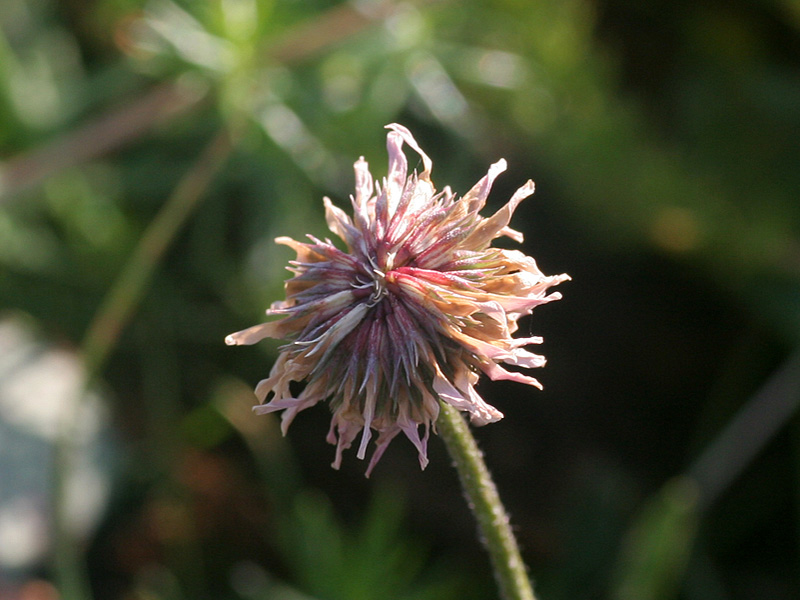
408, 315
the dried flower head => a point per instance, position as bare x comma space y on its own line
415, 308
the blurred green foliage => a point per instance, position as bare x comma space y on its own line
664, 139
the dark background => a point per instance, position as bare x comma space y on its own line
661, 459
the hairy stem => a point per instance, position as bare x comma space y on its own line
484, 501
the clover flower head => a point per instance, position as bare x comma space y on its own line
408, 315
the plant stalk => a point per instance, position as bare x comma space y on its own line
484, 501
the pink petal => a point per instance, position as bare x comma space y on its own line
498, 373
386, 436
411, 429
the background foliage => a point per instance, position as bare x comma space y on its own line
152, 149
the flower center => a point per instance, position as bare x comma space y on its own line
372, 283
378, 287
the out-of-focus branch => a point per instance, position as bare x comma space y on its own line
98, 137
756, 423
104, 331
657, 549
124, 124
332, 27
132, 283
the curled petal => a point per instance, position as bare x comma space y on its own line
406, 137
254, 334
386, 436
342, 433
387, 202
368, 415
339, 223
480, 412
498, 373
291, 406
496, 225
411, 429
476, 197
363, 182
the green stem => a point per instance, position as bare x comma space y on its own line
483, 499
101, 338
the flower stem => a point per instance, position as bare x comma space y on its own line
484, 501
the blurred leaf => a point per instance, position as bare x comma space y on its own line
374, 560
657, 547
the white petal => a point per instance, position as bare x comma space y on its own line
476, 197
395, 179
480, 412
405, 134
254, 334
368, 414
